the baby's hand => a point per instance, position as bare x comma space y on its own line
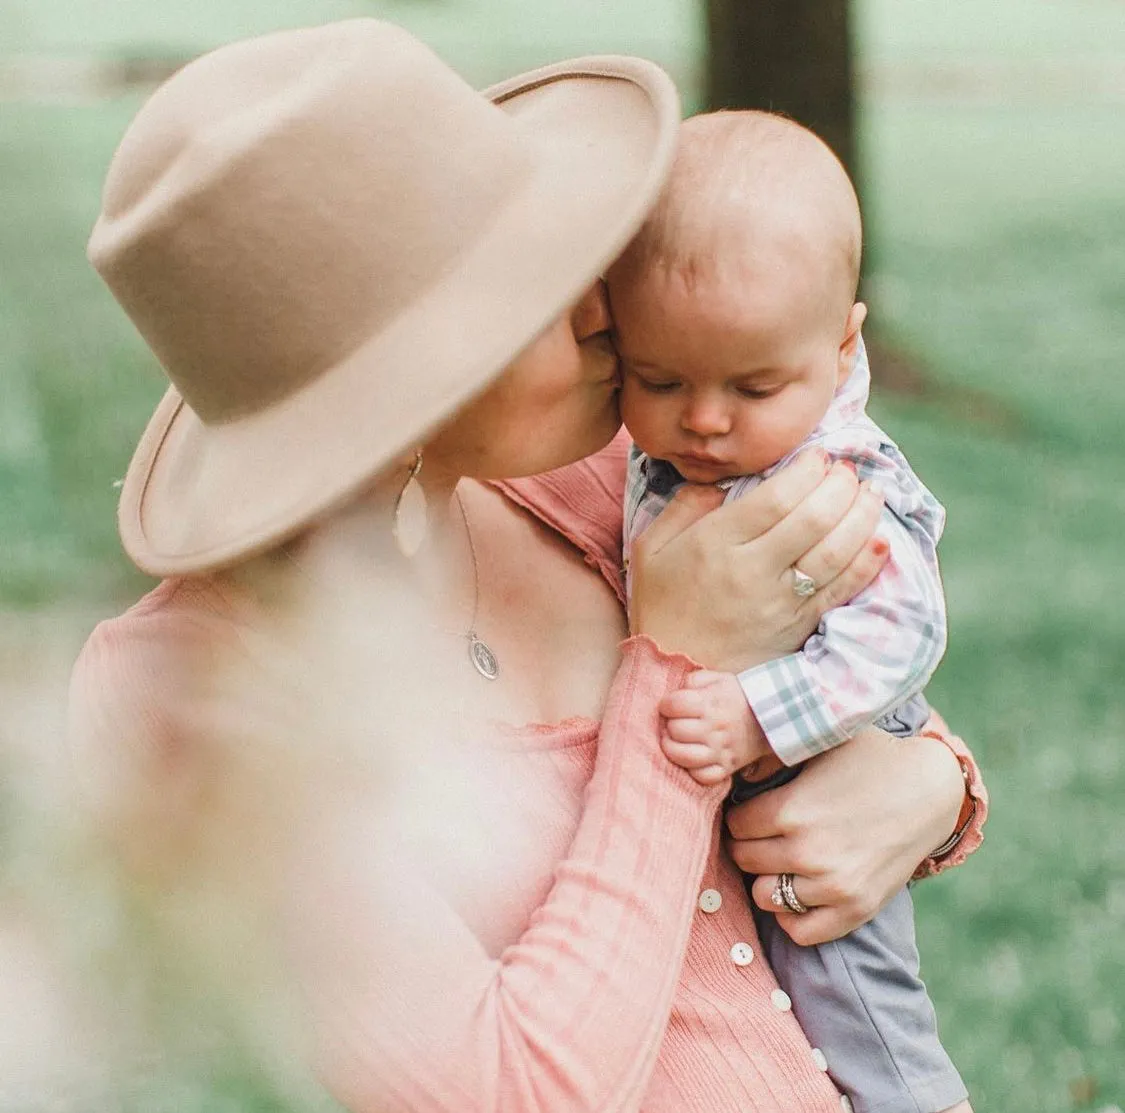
711, 731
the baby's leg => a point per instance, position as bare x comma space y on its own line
862, 1004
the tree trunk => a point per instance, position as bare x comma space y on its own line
789, 56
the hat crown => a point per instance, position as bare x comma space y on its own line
240, 200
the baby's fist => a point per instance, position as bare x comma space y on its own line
711, 731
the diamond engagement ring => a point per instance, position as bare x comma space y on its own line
785, 896
803, 585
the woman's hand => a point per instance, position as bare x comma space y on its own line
716, 581
852, 829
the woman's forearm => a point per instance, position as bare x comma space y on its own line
571, 1016
857, 821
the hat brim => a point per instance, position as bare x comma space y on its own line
200, 497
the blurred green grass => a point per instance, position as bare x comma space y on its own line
996, 228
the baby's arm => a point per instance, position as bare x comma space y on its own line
872, 655
709, 728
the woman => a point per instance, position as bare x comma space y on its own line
366, 284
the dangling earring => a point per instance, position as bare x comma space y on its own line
410, 512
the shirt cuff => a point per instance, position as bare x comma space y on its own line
787, 701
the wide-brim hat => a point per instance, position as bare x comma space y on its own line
331, 242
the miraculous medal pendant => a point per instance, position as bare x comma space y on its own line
484, 660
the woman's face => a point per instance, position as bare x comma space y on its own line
555, 403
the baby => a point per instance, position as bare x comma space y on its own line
740, 341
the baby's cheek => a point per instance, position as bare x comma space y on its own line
638, 415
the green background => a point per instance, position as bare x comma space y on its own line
994, 167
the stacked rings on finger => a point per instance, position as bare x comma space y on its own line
803, 584
785, 896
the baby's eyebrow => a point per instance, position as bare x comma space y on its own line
645, 365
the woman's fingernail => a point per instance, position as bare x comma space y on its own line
880, 547
849, 464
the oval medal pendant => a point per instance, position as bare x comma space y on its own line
484, 660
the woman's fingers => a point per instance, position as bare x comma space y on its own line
815, 517
771, 502
835, 553
690, 503
828, 917
872, 559
819, 925
763, 817
761, 856
807, 889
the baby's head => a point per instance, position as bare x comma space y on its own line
735, 305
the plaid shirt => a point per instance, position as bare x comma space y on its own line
875, 654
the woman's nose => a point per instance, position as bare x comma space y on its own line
591, 315
705, 417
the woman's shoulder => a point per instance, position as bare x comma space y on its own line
131, 689
170, 621
584, 502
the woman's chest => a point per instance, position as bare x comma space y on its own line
552, 620
501, 822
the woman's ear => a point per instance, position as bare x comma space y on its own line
850, 344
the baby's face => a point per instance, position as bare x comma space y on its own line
724, 378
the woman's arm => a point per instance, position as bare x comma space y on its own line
912, 796
408, 1012
855, 825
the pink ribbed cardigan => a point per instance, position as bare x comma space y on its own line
582, 970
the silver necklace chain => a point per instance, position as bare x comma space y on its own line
482, 658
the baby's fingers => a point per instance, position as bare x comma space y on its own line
687, 755
682, 704
694, 731
699, 761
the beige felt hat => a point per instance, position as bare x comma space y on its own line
331, 242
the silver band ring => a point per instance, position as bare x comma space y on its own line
785, 896
803, 585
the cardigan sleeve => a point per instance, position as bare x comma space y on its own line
969, 833
406, 1009
570, 1017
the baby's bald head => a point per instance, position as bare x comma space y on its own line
751, 191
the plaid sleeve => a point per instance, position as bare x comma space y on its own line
873, 654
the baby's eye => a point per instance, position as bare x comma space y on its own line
655, 386
756, 391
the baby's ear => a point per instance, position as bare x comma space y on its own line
850, 344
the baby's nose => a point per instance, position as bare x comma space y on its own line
705, 418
